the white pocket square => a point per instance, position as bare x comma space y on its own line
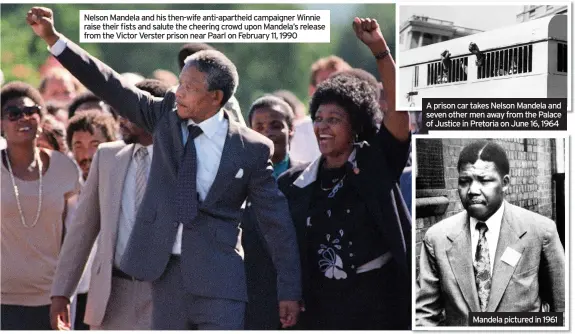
240, 174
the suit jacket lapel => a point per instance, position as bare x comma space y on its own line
228, 163
509, 236
459, 256
117, 180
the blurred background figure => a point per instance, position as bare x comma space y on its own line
132, 78
59, 87
89, 101
303, 145
52, 134
323, 68
232, 107
58, 111
36, 185
165, 76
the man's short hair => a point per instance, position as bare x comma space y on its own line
153, 86
270, 101
487, 151
189, 49
18, 89
221, 73
84, 98
331, 63
88, 121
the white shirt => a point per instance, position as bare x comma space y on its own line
304, 146
127, 204
209, 146
492, 234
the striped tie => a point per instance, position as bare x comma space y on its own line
141, 175
482, 267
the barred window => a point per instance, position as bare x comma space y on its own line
561, 57
455, 70
416, 76
505, 62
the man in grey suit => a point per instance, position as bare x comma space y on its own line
186, 239
492, 257
107, 208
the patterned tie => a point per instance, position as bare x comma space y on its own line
141, 175
482, 267
186, 191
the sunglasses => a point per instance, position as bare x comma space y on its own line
14, 113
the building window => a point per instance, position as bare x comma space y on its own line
452, 70
506, 62
444, 38
416, 76
430, 164
561, 57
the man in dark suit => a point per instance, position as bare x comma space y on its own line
492, 257
186, 239
272, 117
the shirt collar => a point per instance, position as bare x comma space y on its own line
211, 125
309, 175
494, 222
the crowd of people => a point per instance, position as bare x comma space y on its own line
150, 203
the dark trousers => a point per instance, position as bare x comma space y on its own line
16, 317
373, 302
175, 309
81, 300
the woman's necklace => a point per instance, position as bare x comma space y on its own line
37, 161
334, 189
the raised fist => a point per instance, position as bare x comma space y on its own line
41, 20
368, 31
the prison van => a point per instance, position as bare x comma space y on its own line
526, 60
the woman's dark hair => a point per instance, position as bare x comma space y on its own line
18, 89
356, 97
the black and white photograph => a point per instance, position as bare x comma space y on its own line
490, 227
482, 51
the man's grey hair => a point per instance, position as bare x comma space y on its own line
221, 73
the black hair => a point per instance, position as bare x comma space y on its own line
269, 101
189, 49
365, 76
88, 121
86, 97
355, 97
18, 89
486, 151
